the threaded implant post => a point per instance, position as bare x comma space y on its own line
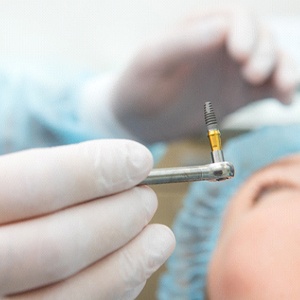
209, 116
214, 134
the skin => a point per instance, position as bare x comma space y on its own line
257, 256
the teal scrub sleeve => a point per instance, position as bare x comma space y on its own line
41, 107
197, 225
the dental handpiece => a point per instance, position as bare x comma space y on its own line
210, 172
218, 170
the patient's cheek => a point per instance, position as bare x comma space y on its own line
260, 257
233, 269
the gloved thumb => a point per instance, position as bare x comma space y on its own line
54, 178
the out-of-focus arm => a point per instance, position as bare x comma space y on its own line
48, 106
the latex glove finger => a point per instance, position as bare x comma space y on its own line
54, 247
207, 33
185, 42
286, 78
242, 34
261, 64
282, 84
41, 181
234, 25
254, 46
122, 275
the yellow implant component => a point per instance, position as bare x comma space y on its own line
215, 139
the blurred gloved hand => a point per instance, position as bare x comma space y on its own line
73, 226
224, 56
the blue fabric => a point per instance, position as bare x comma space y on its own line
39, 108
198, 224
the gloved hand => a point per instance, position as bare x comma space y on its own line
222, 56
73, 226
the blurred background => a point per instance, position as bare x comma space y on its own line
102, 35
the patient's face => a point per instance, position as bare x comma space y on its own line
258, 253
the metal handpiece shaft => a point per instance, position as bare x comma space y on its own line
211, 172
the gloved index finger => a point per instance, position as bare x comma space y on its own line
243, 34
40, 181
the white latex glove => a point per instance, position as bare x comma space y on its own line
223, 56
73, 226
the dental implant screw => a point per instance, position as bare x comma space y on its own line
213, 133
210, 117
